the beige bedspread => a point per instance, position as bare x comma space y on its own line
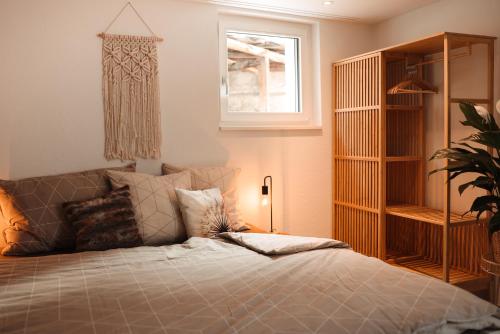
211, 286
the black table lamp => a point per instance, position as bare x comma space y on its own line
267, 196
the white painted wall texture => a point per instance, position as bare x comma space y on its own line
51, 92
51, 118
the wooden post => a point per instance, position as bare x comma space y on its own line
447, 143
491, 76
421, 142
335, 95
264, 84
382, 157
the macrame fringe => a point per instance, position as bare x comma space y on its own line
131, 98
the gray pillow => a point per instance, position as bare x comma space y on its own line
32, 209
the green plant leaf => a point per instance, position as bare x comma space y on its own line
488, 138
484, 203
475, 120
481, 182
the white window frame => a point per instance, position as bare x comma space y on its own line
307, 31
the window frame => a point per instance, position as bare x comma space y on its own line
309, 99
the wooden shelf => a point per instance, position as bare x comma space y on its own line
428, 215
403, 158
430, 268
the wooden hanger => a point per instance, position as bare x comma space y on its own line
404, 87
424, 86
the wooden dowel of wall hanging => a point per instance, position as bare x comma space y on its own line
155, 38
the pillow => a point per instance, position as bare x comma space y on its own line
155, 204
224, 178
33, 209
104, 222
203, 212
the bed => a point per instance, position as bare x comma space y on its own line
217, 286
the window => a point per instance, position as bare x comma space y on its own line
262, 73
269, 73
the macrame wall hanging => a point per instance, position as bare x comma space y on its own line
131, 94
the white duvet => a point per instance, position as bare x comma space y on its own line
213, 286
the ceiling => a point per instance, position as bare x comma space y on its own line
368, 11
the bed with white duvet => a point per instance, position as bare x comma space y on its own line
239, 283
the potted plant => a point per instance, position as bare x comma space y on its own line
466, 158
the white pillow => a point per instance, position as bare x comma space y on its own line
203, 212
224, 178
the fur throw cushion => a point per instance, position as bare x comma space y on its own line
105, 222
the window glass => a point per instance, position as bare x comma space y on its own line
262, 73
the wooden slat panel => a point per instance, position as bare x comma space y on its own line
402, 133
410, 237
356, 153
358, 228
353, 131
401, 187
356, 180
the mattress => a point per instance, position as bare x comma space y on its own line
214, 286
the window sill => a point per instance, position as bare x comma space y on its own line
233, 127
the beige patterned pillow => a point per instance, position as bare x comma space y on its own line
224, 178
203, 212
32, 209
155, 204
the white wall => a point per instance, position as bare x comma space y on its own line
468, 75
51, 118
51, 91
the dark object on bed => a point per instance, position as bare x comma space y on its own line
105, 222
31, 211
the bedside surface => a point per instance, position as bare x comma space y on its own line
255, 229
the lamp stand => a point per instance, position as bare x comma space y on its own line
266, 190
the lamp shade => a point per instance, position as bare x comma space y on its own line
265, 190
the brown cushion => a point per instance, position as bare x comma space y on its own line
32, 208
104, 222
224, 178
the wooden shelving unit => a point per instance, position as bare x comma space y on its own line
379, 160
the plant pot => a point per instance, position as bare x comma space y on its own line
495, 246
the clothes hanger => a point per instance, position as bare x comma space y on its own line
413, 83
405, 87
103, 34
